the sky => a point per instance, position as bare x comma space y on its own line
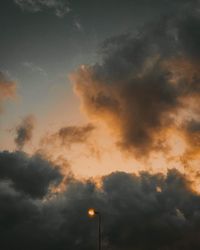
99, 107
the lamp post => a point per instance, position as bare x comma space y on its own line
92, 213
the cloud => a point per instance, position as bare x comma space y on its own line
74, 141
60, 7
69, 135
32, 176
144, 82
7, 88
134, 215
24, 131
34, 68
77, 24
75, 134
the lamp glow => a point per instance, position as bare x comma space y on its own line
91, 212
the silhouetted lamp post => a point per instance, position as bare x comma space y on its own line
92, 213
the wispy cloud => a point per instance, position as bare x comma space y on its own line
35, 68
70, 135
77, 24
60, 7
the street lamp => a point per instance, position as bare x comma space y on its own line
92, 213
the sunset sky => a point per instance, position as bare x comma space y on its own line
99, 107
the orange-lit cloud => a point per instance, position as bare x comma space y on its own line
7, 89
146, 90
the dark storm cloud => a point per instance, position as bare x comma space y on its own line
24, 131
60, 7
7, 88
188, 31
32, 176
142, 81
138, 212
